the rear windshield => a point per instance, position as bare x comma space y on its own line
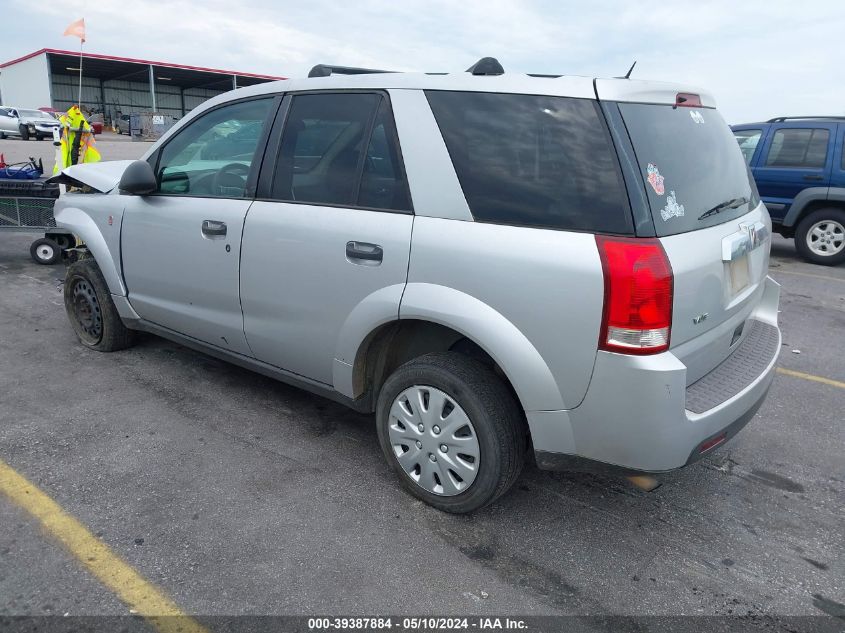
537, 161
694, 172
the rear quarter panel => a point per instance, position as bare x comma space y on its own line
532, 298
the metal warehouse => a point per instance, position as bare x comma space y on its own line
113, 85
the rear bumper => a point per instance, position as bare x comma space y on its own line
640, 415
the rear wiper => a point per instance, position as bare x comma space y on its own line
729, 204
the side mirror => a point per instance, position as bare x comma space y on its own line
138, 179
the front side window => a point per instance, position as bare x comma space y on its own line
212, 156
799, 147
748, 141
340, 149
536, 161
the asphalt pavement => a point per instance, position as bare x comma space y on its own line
235, 494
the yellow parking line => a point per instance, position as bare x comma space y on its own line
139, 595
821, 379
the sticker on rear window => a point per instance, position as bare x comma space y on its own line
672, 208
696, 116
655, 179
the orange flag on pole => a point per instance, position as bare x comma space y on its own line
76, 28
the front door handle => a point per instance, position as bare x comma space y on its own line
364, 253
213, 228
813, 177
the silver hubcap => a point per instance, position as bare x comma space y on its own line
45, 252
826, 238
433, 440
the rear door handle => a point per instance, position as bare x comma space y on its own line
361, 252
813, 177
213, 227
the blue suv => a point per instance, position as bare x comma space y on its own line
799, 166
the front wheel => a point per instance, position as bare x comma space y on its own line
451, 430
24, 133
91, 310
820, 237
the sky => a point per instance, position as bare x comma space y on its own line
759, 59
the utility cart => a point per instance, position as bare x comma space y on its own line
26, 204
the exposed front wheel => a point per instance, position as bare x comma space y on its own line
91, 310
45, 251
24, 133
820, 237
451, 430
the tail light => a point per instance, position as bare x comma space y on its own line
638, 284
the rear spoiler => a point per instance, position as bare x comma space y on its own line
656, 92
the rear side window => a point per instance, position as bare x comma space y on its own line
534, 161
341, 149
383, 183
798, 147
748, 141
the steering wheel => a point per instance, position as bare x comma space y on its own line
231, 176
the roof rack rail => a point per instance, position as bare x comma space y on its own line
779, 119
486, 66
326, 70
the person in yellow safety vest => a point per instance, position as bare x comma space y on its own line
76, 141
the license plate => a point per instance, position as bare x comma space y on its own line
739, 275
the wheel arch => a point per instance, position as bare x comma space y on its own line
810, 199
437, 318
82, 225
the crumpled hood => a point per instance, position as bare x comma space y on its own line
103, 176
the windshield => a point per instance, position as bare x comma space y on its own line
33, 114
694, 171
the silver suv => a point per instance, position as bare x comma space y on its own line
488, 262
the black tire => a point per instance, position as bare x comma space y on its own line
495, 415
24, 133
836, 218
2, 136
39, 137
64, 240
45, 251
91, 310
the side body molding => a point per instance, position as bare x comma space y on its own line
805, 197
513, 352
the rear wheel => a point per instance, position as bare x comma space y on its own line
91, 310
451, 430
820, 237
